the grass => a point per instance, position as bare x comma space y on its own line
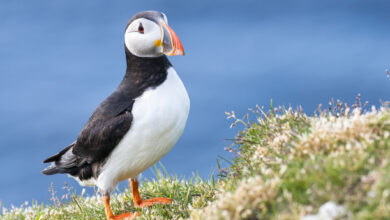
183, 192
286, 165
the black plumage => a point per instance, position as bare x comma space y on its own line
110, 121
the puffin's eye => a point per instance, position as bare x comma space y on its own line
141, 28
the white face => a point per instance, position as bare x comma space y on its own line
141, 37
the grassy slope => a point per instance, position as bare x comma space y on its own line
286, 166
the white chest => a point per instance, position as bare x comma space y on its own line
159, 118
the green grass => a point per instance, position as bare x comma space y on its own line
185, 193
285, 165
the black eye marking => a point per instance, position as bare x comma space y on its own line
141, 28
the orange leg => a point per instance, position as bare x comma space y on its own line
110, 216
142, 203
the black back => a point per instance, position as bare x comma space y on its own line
111, 120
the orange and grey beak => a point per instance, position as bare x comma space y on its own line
170, 42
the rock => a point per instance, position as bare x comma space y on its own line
328, 211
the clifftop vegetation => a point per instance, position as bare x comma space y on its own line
286, 165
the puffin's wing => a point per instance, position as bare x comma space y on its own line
105, 128
99, 137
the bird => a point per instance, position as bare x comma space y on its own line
138, 123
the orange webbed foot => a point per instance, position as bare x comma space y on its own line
150, 202
124, 216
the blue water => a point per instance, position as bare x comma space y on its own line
60, 59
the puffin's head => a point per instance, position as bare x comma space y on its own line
148, 35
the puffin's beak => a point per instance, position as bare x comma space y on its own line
170, 42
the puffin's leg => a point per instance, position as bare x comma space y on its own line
110, 216
141, 203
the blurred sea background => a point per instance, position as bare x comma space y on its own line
60, 59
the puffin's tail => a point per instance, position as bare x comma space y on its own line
50, 170
60, 162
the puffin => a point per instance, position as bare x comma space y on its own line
138, 123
